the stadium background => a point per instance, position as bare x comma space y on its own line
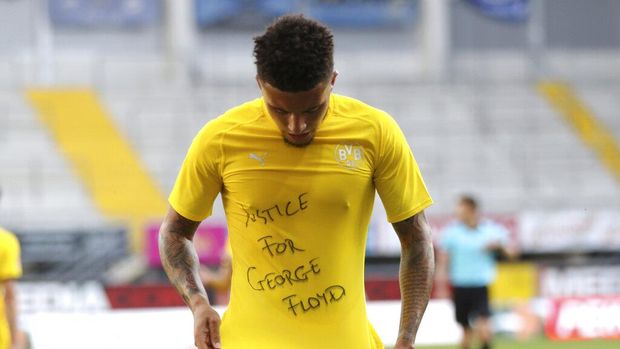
514, 101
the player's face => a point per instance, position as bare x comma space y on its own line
298, 115
464, 212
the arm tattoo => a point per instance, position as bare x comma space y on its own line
178, 255
417, 265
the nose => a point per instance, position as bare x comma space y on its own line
296, 124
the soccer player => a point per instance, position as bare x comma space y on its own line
467, 257
297, 170
10, 270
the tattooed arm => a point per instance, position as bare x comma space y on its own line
180, 262
417, 265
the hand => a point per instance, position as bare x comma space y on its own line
442, 292
206, 327
403, 344
494, 246
20, 340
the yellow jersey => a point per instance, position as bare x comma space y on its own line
298, 219
10, 268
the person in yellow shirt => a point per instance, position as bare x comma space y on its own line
10, 270
298, 169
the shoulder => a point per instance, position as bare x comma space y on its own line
242, 114
492, 227
8, 240
451, 230
349, 107
452, 227
385, 129
488, 224
448, 235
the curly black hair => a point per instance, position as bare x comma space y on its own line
294, 54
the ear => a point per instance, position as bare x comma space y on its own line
334, 77
259, 82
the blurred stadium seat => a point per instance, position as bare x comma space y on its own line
353, 13
213, 11
90, 14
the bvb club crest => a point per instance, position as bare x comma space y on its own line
349, 155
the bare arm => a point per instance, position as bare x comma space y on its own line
179, 258
442, 281
417, 265
511, 252
10, 301
181, 264
508, 250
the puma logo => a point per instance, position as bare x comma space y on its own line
260, 159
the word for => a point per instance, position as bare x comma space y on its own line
278, 247
273, 280
290, 208
332, 294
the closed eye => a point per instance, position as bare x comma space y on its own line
314, 110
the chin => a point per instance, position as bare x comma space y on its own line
300, 144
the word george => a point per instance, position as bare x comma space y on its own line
272, 280
278, 248
290, 208
332, 294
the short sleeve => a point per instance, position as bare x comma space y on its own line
199, 180
10, 262
397, 177
446, 242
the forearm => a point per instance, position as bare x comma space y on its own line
442, 279
417, 266
510, 252
180, 260
416, 280
10, 300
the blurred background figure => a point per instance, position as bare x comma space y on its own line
468, 252
216, 279
10, 271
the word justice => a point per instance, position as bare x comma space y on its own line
270, 214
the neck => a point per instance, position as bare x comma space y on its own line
471, 222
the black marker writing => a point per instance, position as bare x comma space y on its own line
273, 280
278, 247
270, 214
332, 294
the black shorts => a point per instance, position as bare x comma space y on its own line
470, 303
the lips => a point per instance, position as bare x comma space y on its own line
299, 137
